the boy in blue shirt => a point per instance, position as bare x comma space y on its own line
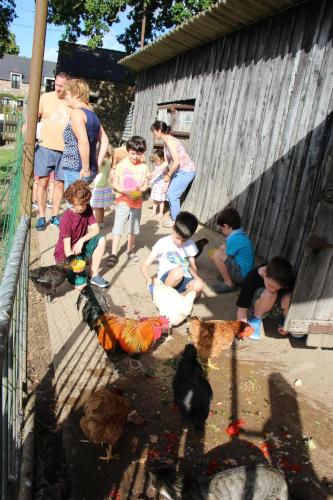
236, 258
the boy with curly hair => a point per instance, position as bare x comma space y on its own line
79, 235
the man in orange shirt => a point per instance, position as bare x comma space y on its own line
54, 115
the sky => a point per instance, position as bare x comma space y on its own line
23, 27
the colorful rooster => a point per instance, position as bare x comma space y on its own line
133, 336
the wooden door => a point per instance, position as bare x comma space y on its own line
311, 310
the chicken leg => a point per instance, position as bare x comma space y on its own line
108, 455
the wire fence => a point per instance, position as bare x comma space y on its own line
13, 350
10, 197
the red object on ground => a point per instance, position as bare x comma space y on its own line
266, 448
235, 427
287, 465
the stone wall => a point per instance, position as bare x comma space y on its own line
6, 87
112, 104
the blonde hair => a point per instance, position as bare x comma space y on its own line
78, 88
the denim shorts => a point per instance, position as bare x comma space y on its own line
234, 270
181, 287
79, 279
46, 161
71, 175
124, 214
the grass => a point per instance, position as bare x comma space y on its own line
6, 156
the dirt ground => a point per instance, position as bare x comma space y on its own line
280, 423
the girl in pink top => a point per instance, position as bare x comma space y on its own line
181, 168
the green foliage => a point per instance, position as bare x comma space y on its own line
93, 18
13, 48
7, 15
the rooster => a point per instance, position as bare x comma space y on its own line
192, 392
171, 304
47, 278
213, 336
133, 336
105, 417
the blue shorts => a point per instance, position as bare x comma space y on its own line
71, 175
47, 160
181, 287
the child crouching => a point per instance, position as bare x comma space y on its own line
176, 257
266, 291
79, 235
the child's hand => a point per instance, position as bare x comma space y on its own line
77, 248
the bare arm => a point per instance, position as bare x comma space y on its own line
68, 246
242, 314
78, 119
115, 184
144, 267
172, 147
193, 268
104, 142
93, 231
144, 186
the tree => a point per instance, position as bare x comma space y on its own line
12, 47
93, 18
7, 15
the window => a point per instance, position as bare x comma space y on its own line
178, 115
16, 80
49, 84
20, 103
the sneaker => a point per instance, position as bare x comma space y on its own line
41, 224
256, 324
222, 287
99, 281
49, 204
55, 220
34, 204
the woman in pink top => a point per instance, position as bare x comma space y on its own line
181, 168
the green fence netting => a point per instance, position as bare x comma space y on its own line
10, 197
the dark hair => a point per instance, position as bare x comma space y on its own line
62, 74
185, 225
137, 143
78, 192
280, 270
159, 153
159, 125
231, 217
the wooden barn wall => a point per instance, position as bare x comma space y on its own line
262, 129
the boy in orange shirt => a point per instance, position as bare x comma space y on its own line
129, 182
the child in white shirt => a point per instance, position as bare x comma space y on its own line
176, 257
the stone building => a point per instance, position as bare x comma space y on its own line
14, 79
112, 85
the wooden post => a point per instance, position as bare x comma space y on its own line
33, 103
143, 25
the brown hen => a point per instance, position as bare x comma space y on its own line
213, 336
105, 417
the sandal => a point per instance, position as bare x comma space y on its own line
112, 260
132, 256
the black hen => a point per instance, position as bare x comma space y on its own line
255, 482
192, 392
200, 246
47, 278
95, 306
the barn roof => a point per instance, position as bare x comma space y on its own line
220, 19
98, 64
